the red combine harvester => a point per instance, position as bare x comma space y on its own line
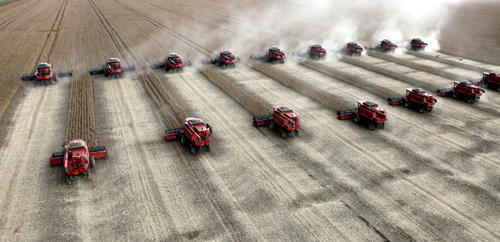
171, 63
195, 133
384, 46
45, 75
417, 44
273, 54
282, 119
77, 159
466, 90
352, 48
368, 113
112, 68
492, 80
314, 52
224, 59
414, 98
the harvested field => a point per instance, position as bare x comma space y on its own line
424, 177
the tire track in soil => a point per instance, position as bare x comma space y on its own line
270, 172
146, 80
401, 175
13, 18
13, 182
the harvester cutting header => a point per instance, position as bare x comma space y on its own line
224, 59
273, 54
171, 63
112, 67
45, 75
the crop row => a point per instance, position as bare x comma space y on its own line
252, 104
81, 122
417, 66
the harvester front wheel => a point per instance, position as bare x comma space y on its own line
283, 134
356, 119
193, 150
429, 109
183, 139
68, 179
455, 95
470, 100
421, 110
371, 127
92, 161
272, 125
407, 104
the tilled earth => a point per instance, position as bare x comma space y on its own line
432, 176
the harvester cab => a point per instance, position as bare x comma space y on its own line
194, 133
414, 98
466, 90
78, 159
172, 62
417, 44
113, 68
224, 59
352, 48
282, 119
491, 80
367, 112
45, 75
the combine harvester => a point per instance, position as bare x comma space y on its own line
171, 63
352, 49
282, 119
273, 54
314, 52
77, 159
367, 112
491, 80
112, 68
224, 59
195, 133
417, 44
45, 75
466, 90
414, 98
384, 46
